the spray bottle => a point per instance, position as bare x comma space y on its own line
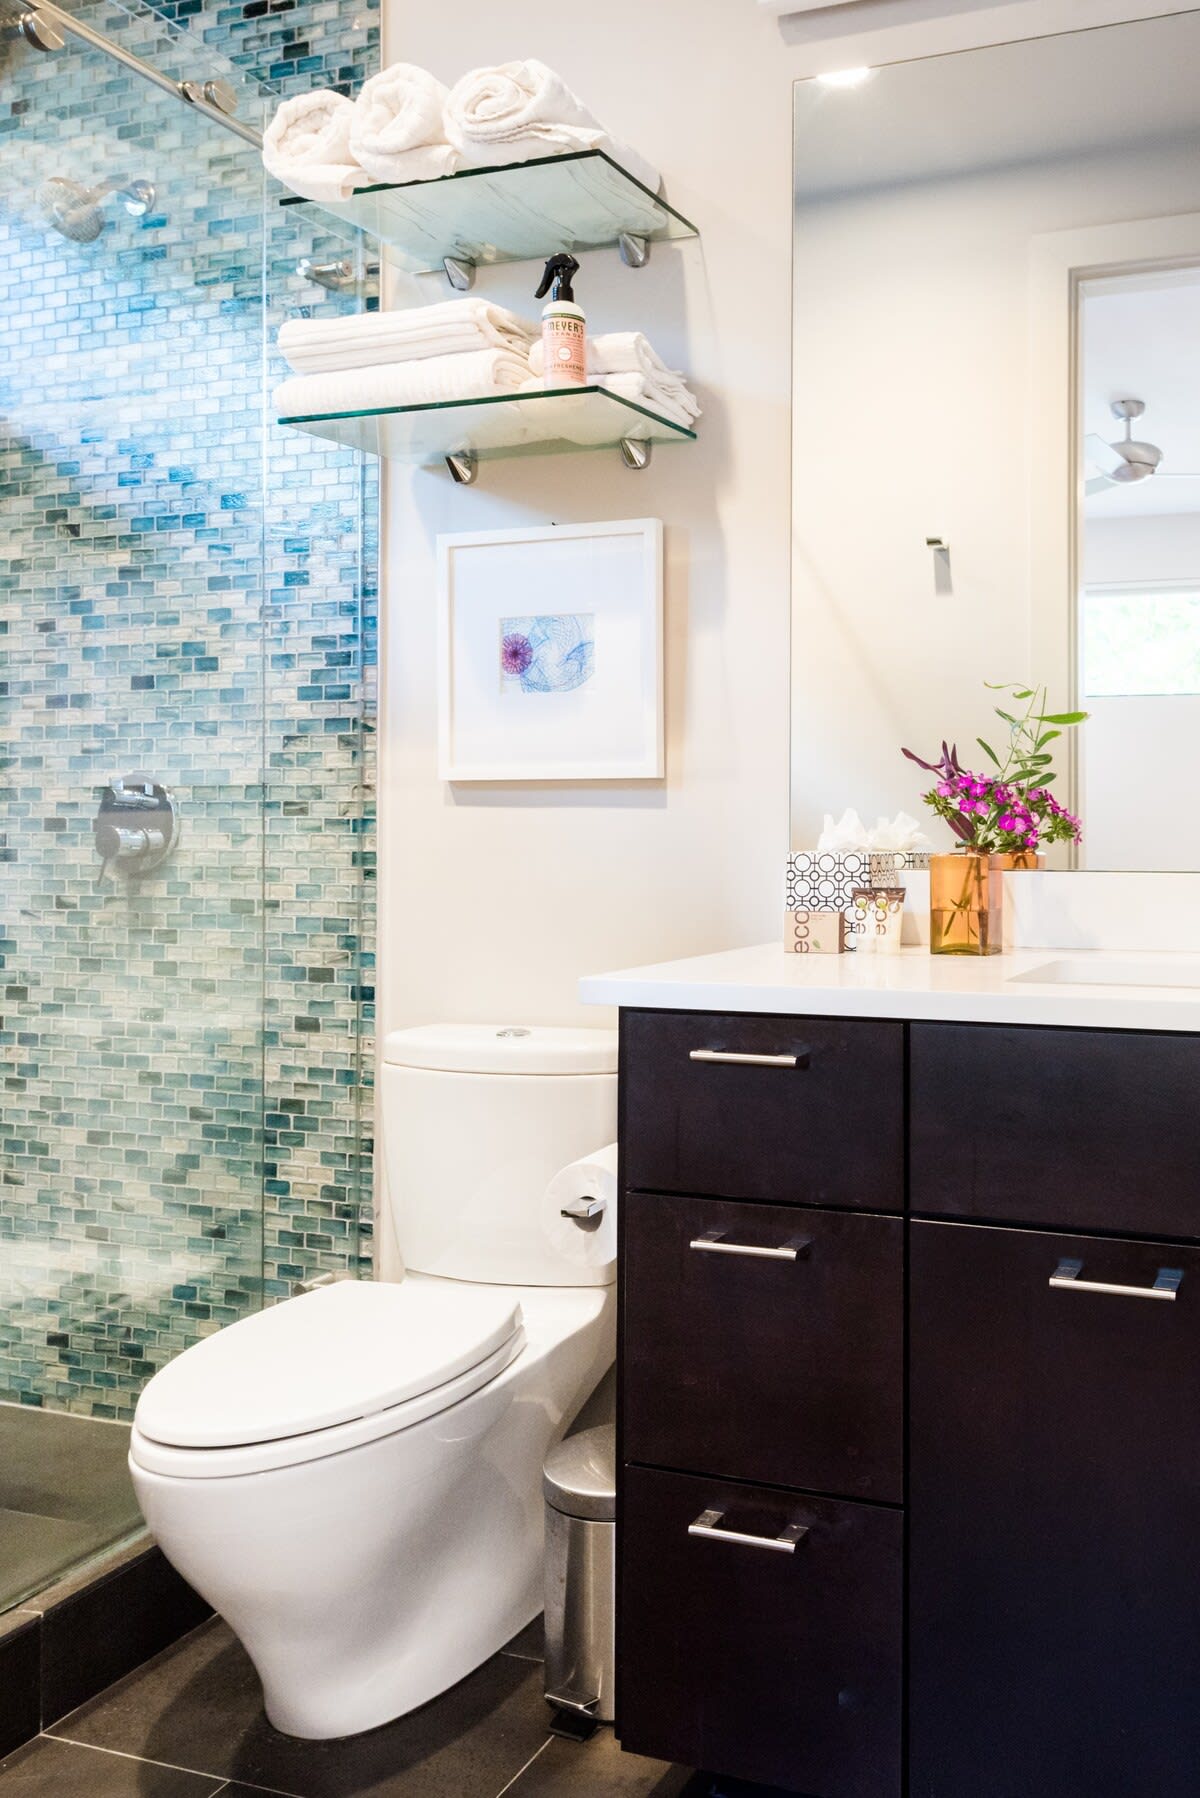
564, 331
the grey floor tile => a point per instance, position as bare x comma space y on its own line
600, 1769
49, 1769
199, 1705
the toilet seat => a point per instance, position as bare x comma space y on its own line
324, 1372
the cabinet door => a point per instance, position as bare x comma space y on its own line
1054, 1516
764, 1343
747, 1657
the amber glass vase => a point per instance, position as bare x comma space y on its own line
966, 904
1014, 861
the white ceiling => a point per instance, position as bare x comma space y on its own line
1140, 339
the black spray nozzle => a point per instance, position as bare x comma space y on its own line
561, 270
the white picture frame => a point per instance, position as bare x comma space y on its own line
550, 653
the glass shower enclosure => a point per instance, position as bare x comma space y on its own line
186, 604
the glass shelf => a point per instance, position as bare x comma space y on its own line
518, 424
520, 213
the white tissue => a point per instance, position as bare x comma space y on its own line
900, 832
849, 833
591, 1245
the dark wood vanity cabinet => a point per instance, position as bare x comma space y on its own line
910, 1500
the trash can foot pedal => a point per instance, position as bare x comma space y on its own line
574, 1716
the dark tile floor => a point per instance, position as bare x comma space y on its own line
65, 1493
190, 1724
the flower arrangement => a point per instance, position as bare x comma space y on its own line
1012, 810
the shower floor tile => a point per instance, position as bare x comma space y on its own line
65, 1493
197, 1708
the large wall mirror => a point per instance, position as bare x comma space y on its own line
997, 350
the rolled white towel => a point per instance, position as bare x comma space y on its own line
363, 339
478, 374
398, 131
518, 110
307, 146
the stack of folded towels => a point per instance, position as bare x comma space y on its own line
629, 366
457, 350
405, 126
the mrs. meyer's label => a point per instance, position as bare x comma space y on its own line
564, 352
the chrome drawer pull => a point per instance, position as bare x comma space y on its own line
713, 1242
733, 1058
1066, 1279
784, 1543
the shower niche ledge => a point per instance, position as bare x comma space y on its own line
463, 433
519, 213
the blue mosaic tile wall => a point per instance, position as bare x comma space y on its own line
188, 591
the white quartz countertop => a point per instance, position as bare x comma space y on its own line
1130, 990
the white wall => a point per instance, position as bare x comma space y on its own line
494, 902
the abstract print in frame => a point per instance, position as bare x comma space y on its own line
550, 653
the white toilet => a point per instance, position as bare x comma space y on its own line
353, 1477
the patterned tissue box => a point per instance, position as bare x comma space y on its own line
825, 879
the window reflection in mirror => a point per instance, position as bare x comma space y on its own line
1138, 631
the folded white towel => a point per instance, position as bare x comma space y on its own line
363, 339
478, 374
307, 146
635, 388
615, 355
398, 133
518, 110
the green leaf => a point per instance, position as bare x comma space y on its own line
1063, 717
1007, 717
988, 751
1047, 737
1025, 693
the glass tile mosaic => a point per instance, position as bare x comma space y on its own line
189, 591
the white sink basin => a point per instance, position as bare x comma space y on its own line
1098, 970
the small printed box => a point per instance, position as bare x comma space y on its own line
814, 932
827, 879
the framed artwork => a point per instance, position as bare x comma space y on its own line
550, 653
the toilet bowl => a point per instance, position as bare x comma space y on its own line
352, 1478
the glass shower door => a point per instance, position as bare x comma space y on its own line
131, 633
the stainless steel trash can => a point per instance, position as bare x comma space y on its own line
580, 1487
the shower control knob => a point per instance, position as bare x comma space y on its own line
137, 824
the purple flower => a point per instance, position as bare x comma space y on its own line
516, 653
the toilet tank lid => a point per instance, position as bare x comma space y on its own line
502, 1049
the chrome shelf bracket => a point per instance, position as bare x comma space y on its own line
635, 250
636, 453
464, 467
459, 272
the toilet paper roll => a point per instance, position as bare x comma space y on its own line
587, 1241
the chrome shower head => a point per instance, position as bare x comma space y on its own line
74, 211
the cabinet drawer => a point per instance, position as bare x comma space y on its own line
1079, 1129
763, 1343
814, 1117
762, 1663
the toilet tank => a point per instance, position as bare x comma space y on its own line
475, 1120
